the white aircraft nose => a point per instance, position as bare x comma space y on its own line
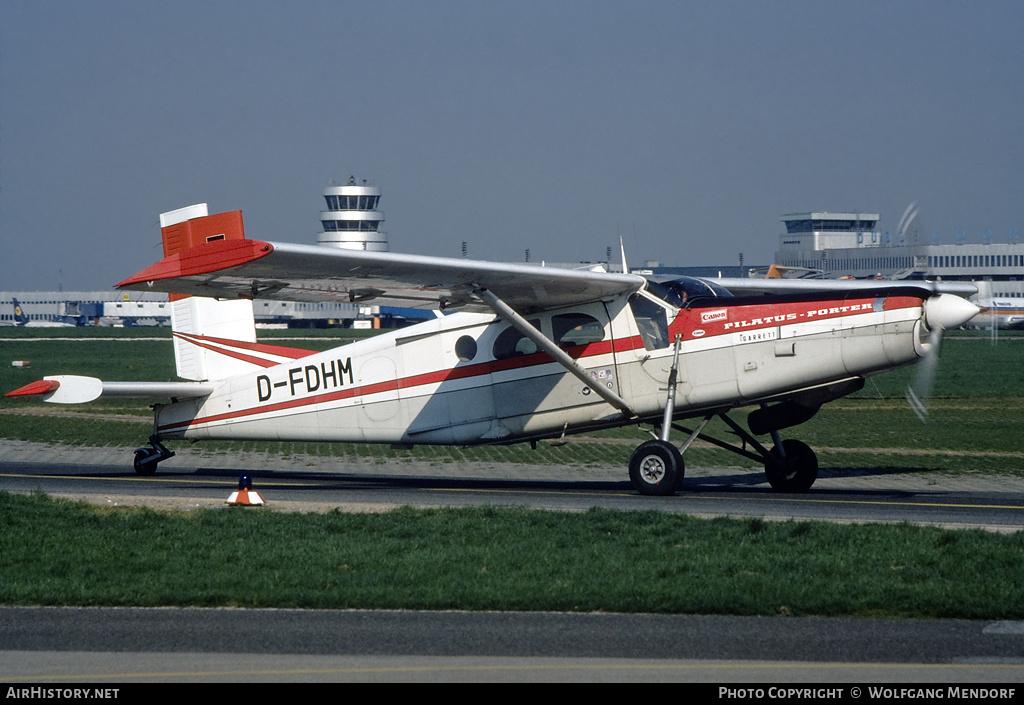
948, 311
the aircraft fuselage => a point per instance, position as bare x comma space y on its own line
470, 378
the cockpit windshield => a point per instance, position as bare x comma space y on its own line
684, 291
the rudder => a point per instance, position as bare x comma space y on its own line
203, 327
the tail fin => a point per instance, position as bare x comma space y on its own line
205, 329
20, 318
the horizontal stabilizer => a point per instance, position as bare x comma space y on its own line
75, 389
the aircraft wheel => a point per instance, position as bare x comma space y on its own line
656, 468
145, 461
795, 472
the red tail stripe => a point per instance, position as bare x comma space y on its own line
279, 350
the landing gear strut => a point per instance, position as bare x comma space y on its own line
146, 459
656, 467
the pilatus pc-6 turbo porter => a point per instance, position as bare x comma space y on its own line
516, 352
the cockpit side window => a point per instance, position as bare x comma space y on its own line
685, 290
652, 320
576, 329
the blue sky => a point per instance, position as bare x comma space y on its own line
688, 128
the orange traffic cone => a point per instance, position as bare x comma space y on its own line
245, 495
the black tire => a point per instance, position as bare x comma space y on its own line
145, 461
795, 472
656, 468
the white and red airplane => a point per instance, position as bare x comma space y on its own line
516, 353
999, 312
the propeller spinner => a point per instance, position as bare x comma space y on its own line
941, 313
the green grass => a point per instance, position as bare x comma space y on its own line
969, 366
56, 552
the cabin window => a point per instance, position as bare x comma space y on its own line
652, 320
511, 343
465, 348
571, 329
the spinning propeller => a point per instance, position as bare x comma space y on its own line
941, 313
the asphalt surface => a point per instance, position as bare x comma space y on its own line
131, 645
196, 478
101, 645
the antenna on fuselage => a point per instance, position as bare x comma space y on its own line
622, 250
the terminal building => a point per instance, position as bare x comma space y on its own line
114, 308
849, 245
51, 308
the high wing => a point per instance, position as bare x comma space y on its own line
210, 256
289, 272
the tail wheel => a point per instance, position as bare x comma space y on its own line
145, 461
792, 469
656, 468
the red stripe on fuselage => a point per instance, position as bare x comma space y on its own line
714, 321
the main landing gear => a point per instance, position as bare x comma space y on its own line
146, 459
656, 467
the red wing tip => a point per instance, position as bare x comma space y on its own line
43, 386
204, 259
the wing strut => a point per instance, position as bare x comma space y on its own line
548, 346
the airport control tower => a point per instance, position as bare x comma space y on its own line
352, 220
